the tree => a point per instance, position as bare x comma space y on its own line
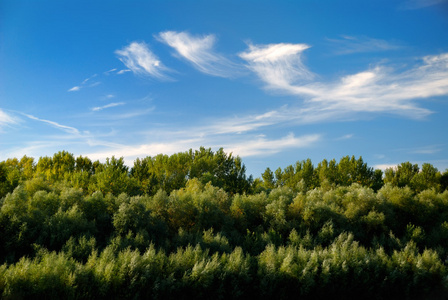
13, 172
351, 170
428, 177
84, 164
444, 181
268, 179
327, 171
113, 178
402, 175
172, 172
56, 167
279, 177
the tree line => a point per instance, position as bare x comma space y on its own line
194, 225
163, 172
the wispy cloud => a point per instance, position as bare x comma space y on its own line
94, 84
132, 152
345, 137
279, 66
198, 50
241, 137
123, 71
243, 124
138, 58
418, 4
88, 79
84, 84
262, 146
6, 119
378, 89
352, 44
110, 71
65, 128
432, 149
74, 89
98, 108
427, 151
114, 117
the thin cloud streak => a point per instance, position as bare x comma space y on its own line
199, 52
123, 71
245, 145
65, 128
130, 153
132, 114
376, 90
262, 146
381, 90
433, 149
74, 89
116, 119
110, 71
418, 4
98, 108
427, 151
6, 119
87, 79
138, 58
363, 44
254, 147
345, 137
84, 83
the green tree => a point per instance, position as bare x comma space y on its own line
352, 170
327, 172
113, 178
429, 177
444, 181
268, 179
84, 164
402, 175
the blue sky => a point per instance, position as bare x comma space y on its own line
271, 81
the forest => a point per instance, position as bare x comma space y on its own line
193, 225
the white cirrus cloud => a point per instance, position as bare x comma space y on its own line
262, 146
431, 149
6, 119
279, 66
130, 153
98, 108
65, 128
84, 83
361, 44
74, 89
198, 50
123, 71
418, 4
110, 71
379, 89
345, 137
138, 58
259, 146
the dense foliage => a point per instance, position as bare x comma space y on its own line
192, 225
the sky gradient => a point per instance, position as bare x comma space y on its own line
271, 81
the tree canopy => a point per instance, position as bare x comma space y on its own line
192, 224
